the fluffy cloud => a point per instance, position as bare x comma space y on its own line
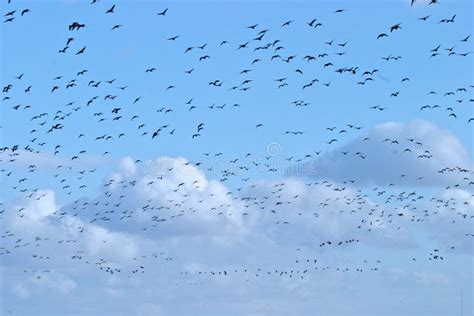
175, 193
39, 220
452, 224
166, 216
321, 212
171, 198
409, 154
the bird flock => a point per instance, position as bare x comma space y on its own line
64, 132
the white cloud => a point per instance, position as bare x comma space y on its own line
40, 216
205, 229
386, 155
182, 193
41, 205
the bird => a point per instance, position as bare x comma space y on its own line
81, 51
395, 27
111, 10
163, 13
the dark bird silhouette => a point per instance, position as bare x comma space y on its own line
395, 27
111, 10
163, 13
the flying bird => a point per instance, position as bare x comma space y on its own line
163, 13
111, 10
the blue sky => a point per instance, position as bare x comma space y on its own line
120, 205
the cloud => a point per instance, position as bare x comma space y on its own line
39, 219
166, 216
38, 207
169, 202
454, 211
413, 154
321, 212
172, 198
178, 194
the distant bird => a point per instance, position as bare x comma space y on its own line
163, 12
111, 10
81, 51
395, 27
466, 38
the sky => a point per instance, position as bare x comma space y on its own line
324, 168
